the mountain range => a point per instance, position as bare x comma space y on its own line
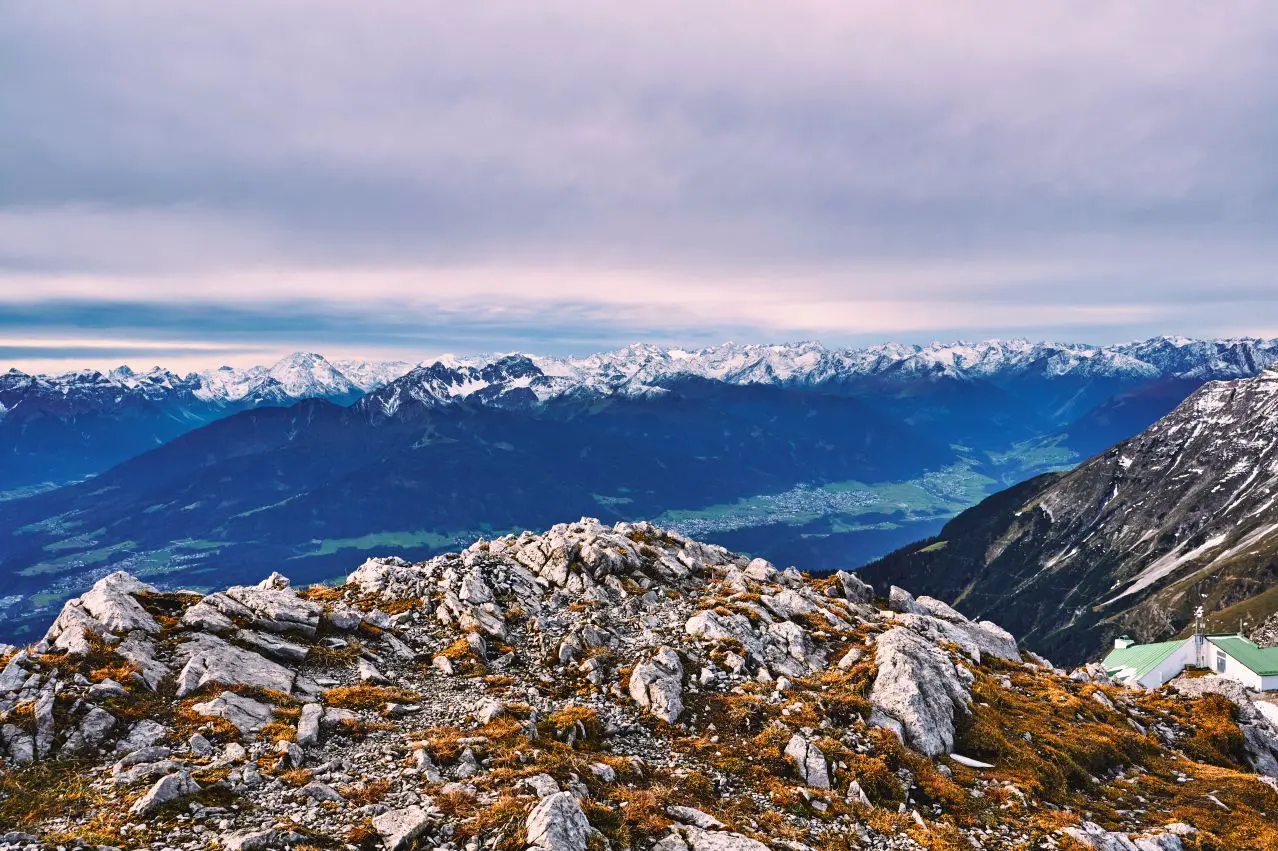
60, 428
798, 452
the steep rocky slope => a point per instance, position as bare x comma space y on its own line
598, 688
1133, 540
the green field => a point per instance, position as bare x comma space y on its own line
383, 540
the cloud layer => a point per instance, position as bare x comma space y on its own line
412, 176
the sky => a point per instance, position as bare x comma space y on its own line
200, 183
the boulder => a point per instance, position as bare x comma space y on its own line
169, 788
368, 673
900, 600
108, 607
143, 734
318, 791
918, 688
20, 744
853, 588
278, 609
558, 824
398, 828
246, 714
718, 840
308, 724
809, 760
93, 729
212, 660
273, 645
657, 685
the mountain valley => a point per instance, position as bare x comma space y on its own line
798, 453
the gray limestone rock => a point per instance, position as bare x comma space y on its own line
919, 688
308, 724
398, 828
557, 823
810, 762
246, 714
169, 788
657, 685
212, 660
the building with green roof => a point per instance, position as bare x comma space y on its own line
1232, 656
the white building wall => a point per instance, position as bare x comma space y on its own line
1269, 683
1170, 667
1236, 670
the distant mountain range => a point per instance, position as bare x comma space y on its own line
60, 428
1183, 514
55, 429
798, 452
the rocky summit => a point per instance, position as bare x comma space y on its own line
596, 688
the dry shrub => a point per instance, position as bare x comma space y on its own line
456, 805
579, 720
297, 776
319, 593
1216, 737
367, 696
643, 811
507, 813
363, 835
369, 792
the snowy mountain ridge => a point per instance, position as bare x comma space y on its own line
641, 368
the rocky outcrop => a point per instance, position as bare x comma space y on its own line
657, 685
1259, 725
918, 692
521, 693
110, 607
210, 660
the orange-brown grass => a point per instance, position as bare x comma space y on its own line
643, 811
121, 672
397, 607
278, 730
363, 835
297, 777
367, 696
1072, 738
505, 816
33, 794
366, 793
558, 725
456, 805
320, 593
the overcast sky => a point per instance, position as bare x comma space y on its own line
195, 183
